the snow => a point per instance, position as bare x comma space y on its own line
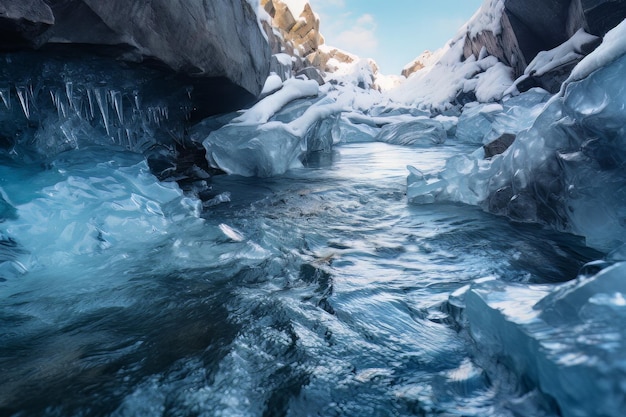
613, 46
292, 89
487, 18
493, 83
436, 87
569, 51
272, 83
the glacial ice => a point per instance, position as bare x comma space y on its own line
417, 132
568, 340
277, 133
57, 104
566, 170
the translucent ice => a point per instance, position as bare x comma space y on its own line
418, 132
272, 148
567, 340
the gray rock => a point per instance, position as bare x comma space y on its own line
218, 40
499, 145
595, 16
22, 22
311, 73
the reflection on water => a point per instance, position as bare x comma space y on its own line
317, 293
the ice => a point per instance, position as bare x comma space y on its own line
291, 90
23, 96
5, 95
350, 131
568, 341
418, 132
272, 148
476, 122
566, 170
484, 123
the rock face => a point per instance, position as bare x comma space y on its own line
217, 40
425, 59
21, 22
531, 26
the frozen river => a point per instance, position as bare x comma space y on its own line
321, 292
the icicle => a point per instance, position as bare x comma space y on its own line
120, 136
69, 91
116, 98
129, 138
5, 95
137, 100
103, 105
53, 97
92, 112
189, 91
22, 94
58, 103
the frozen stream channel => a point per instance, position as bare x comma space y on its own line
317, 293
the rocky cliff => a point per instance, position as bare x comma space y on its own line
217, 45
524, 32
300, 38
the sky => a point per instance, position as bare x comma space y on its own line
392, 32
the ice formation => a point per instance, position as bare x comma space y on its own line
565, 169
567, 340
276, 134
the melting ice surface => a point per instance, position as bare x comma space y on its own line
318, 292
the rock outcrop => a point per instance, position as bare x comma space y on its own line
524, 32
216, 40
21, 22
425, 59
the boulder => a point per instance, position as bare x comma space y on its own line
595, 16
311, 73
499, 145
22, 22
530, 26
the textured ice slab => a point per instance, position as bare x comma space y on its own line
274, 147
417, 132
569, 341
483, 123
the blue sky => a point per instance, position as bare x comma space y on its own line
392, 32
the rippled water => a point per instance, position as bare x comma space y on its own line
319, 293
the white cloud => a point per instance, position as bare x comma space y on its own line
361, 38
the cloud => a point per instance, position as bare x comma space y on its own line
361, 38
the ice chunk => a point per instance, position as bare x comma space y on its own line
274, 147
567, 340
476, 122
418, 132
346, 131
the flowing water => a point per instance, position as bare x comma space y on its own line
318, 293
